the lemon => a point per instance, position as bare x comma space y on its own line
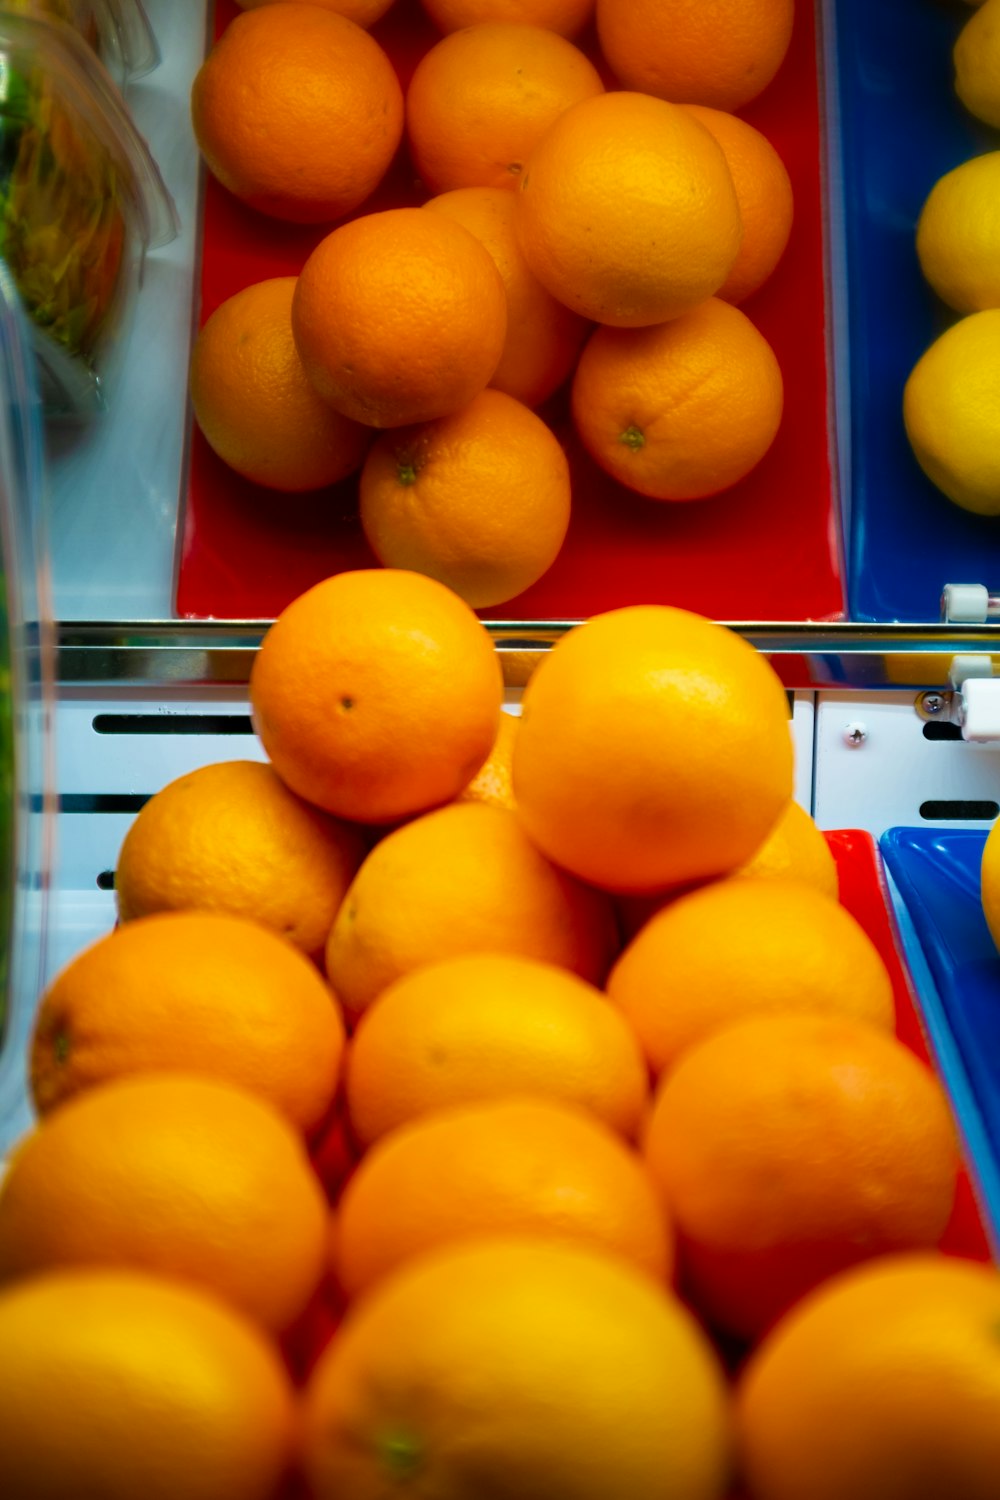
958, 235
977, 63
951, 409
989, 874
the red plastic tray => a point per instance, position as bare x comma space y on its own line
768, 549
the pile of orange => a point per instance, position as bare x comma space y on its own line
453, 1081
582, 211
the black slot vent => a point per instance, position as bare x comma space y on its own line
943, 731
173, 724
935, 811
102, 802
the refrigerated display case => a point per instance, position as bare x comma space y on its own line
832, 560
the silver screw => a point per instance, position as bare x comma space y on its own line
855, 735
931, 703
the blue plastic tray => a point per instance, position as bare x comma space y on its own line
936, 873
900, 128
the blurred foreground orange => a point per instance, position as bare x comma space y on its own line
376, 694
501, 1166
743, 947
120, 1384
553, 1369
791, 1147
176, 1174
906, 1352
203, 991
487, 1025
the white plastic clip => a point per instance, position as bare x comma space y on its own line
965, 604
979, 709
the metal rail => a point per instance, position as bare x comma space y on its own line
170, 653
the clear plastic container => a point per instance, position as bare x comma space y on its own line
118, 30
81, 201
26, 677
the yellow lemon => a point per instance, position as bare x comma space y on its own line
977, 63
958, 235
951, 409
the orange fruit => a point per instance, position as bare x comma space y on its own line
522, 1367
627, 210
231, 837
543, 335
184, 1176
202, 991
722, 53
463, 879
486, 1025
362, 12
566, 17
482, 98
989, 881
682, 410
156, 1389
297, 111
399, 317
479, 500
904, 1352
500, 1166
743, 947
492, 782
376, 694
790, 1147
253, 402
764, 193
796, 848
654, 749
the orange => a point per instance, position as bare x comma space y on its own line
627, 210
654, 749
483, 97
989, 881
500, 1166
486, 1025
479, 500
743, 947
790, 1147
764, 193
717, 52
118, 1384
492, 782
567, 17
362, 12
886, 1381
517, 1368
376, 694
297, 111
172, 1173
797, 848
399, 317
463, 879
231, 837
543, 335
253, 402
202, 991
683, 410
